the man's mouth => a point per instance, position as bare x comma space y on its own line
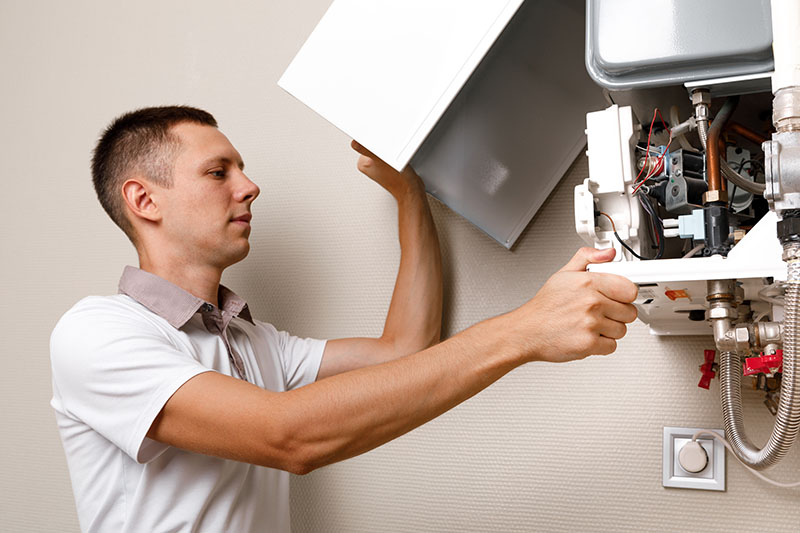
243, 219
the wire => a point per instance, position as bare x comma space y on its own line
753, 172
658, 226
654, 228
647, 153
660, 161
730, 200
624, 245
752, 162
693, 251
754, 472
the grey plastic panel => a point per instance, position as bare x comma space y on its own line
631, 43
517, 124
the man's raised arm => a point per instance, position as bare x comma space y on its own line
414, 320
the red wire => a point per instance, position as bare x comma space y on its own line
647, 148
656, 112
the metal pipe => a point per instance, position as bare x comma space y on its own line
723, 158
740, 181
712, 147
745, 132
679, 128
787, 420
785, 44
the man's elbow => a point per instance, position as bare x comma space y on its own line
291, 453
422, 342
304, 462
299, 468
402, 346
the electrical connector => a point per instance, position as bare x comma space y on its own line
692, 226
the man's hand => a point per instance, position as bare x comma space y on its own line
397, 183
577, 313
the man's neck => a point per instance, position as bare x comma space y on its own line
201, 281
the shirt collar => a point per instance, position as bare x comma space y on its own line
171, 302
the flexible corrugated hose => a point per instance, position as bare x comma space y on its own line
787, 421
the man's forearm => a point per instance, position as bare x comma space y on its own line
414, 319
415, 313
356, 411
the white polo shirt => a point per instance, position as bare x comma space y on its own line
116, 360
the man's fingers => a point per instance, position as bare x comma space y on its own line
615, 287
360, 149
621, 312
605, 346
612, 329
366, 153
369, 163
586, 256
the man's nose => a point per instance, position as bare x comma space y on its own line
247, 190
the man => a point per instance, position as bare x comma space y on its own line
180, 412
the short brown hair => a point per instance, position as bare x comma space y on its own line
139, 141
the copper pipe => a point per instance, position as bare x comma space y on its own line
712, 145
723, 154
746, 133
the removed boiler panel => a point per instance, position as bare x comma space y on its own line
485, 98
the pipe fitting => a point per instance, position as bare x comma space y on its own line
741, 338
771, 349
722, 312
767, 334
701, 100
782, 171
714, 196
782, 153
701, 97
786, 109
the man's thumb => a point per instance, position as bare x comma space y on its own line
586, 256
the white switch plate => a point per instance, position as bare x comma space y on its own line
712, 477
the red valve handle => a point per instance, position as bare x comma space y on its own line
764, 364
707, 369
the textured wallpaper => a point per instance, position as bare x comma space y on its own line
573, 447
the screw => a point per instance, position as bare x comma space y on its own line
675, 190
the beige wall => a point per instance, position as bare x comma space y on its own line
557, 448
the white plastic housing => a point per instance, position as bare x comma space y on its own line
611, 142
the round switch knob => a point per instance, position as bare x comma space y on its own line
693, 457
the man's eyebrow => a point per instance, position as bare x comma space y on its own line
224, 160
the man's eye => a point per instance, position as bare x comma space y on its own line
218, 173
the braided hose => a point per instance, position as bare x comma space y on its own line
740, 181
702, 131
787, 421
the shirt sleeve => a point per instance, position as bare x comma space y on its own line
300, 358
114, 371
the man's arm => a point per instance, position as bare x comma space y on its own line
414, 320
576, 313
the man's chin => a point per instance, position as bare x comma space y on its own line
241, 254
235, 256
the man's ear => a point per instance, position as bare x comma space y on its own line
139, 197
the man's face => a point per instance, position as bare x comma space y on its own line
206, 211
